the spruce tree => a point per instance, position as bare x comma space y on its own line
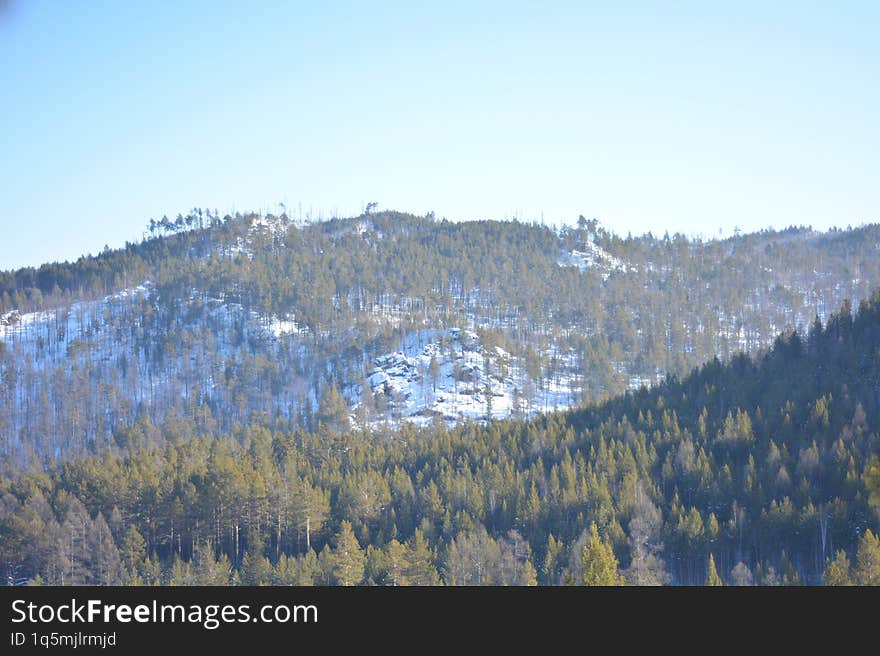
867, 569
600, 563
712, 578
255, 569
837, 571
419, 562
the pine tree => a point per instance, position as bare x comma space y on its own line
872, 476
396, 562
552, 560
349, 559
712, 579
309, 572
151, 573
133, 552
528, 576
311, 506
180, 573
333, 411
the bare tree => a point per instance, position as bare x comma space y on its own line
647, 567
741, 575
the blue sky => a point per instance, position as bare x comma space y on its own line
650, 116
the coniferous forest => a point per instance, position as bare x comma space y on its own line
202, 407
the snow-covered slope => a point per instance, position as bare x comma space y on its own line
47, 335
450, 375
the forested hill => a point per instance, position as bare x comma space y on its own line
758, 470
216, 322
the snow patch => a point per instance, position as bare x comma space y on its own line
592, 257
279, 327
448, 375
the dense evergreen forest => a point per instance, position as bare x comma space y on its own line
760, 469
224, 322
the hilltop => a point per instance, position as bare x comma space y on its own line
222, 321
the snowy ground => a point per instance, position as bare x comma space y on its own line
592, 257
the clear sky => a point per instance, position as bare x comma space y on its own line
674, 116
